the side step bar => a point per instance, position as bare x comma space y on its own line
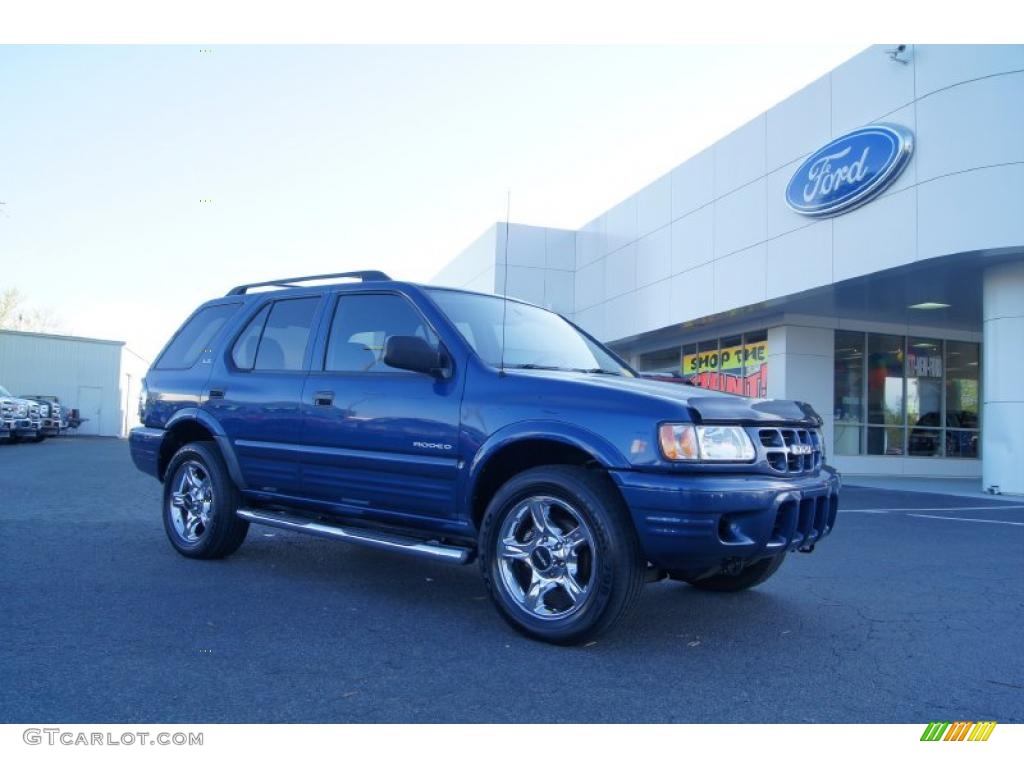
389, 541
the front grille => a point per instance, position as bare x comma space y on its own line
791, 450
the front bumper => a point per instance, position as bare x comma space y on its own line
24, 428
693, 523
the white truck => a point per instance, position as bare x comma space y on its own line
19, 418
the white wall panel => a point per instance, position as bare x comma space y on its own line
620, 225
620, 271
693, 239
692, 294
693, 183
800, 124
876, 236
654, 256
741, 218
526, 245
526, 283
589, 285
590, 244
958, 130
740, 278
560, 247
558, 291
740, 157
780, 219
654, 206
799, 260
940, 66
869, 86
971, 211
621, 318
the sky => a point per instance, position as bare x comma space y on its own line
326, 159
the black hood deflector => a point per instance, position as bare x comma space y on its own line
729, 409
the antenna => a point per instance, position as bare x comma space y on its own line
504, 289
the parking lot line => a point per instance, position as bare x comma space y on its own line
935, 509
966, 519
917, 513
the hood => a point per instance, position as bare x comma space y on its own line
705, 405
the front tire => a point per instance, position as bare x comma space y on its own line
200, 502
559, 554
756, 573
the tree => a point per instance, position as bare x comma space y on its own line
16, 316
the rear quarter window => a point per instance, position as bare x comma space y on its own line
195, 335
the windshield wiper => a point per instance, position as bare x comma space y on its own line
539, 367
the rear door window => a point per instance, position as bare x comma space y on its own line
282, 346
195, 336
244, 352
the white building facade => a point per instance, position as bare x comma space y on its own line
898, 314
85, 374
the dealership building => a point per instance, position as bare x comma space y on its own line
859, 246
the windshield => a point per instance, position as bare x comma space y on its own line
534, 337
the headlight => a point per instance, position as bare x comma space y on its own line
687, 442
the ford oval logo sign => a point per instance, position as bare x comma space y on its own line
850, 170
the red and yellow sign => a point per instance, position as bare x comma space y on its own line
740, 370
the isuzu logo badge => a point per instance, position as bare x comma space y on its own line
850, 170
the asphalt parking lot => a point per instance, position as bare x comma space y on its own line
912, 611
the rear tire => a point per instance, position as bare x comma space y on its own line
200, 502
754, 574
559, 554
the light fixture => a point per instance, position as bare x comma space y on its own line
929, 305
894, 54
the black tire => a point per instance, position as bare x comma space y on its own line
38, 438
608, 558
223, 531
756, 573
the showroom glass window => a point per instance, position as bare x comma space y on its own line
662, 362
849, 392
905, 396
736, 364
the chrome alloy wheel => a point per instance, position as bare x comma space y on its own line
546, 557
191, 501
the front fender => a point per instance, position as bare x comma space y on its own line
603, 451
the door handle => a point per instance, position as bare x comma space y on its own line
216, 394
323, 398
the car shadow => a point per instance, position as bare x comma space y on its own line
384, 584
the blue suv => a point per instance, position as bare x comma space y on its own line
462, 426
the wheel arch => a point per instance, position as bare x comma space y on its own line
193, 425
527, 445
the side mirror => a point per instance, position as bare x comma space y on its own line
413, 353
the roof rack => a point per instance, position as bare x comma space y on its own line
290, 282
